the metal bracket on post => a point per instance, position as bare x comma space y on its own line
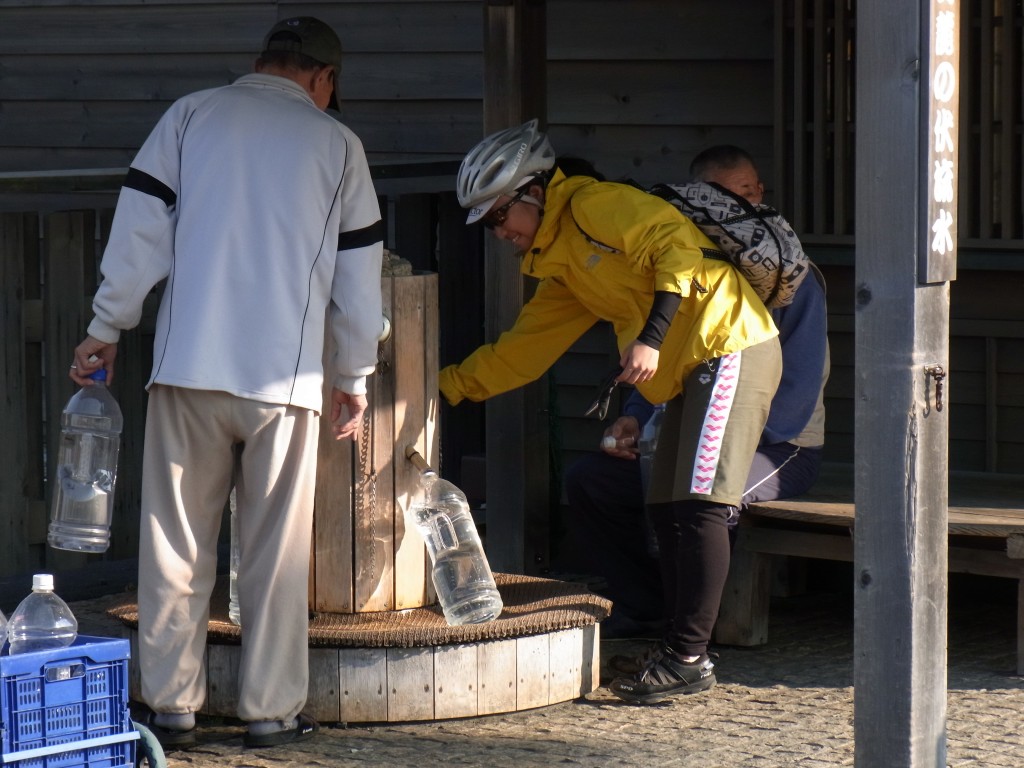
938, 373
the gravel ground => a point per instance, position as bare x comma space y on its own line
788, 703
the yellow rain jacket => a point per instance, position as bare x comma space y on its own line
601, 252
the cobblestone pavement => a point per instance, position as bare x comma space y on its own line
789, 703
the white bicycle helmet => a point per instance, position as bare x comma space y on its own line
499, 164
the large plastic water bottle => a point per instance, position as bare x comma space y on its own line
83, 500
42, 621
461, 574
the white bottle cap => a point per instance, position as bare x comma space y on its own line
608, 442
42, 582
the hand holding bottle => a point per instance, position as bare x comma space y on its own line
620, 439
91, 355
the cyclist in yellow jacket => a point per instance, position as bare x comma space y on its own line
691, 332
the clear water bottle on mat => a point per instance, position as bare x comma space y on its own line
42, 621
83, 498
461, 574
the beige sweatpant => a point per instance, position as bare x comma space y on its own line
191, 437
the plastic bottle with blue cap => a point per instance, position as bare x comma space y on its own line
86, 469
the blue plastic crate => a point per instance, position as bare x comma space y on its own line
67, 707
118, 752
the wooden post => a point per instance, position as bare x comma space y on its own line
517, 424
16, 232
906, 161
363, 557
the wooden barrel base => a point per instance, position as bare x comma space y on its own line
410, 666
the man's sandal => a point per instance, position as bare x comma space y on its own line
305, 727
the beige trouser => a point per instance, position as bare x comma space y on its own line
187, 477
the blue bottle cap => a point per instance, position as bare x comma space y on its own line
100, 375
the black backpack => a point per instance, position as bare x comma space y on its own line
756, 239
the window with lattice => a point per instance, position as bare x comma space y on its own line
816, 121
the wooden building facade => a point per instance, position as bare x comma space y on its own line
636, 88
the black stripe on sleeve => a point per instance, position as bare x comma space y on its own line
147, 185
360, 238
664, 309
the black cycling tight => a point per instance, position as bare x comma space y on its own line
693, 549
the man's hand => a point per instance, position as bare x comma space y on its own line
354, 406
91, 355
625, 431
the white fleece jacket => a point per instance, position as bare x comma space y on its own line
259, 212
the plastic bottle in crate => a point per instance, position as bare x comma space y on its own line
42, 620
83, 500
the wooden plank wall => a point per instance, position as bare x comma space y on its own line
82, 82
641, 91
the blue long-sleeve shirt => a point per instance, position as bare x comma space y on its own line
797, 412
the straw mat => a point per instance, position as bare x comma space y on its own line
532, 606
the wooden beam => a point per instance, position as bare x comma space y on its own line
902, 328
517, 430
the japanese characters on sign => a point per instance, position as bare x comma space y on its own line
939, 264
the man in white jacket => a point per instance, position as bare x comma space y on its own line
257, 211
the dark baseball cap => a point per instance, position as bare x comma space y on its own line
305, 35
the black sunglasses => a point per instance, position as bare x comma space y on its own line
498, 216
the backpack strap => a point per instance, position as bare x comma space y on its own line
666, 192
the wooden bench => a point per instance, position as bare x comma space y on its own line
986, 537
